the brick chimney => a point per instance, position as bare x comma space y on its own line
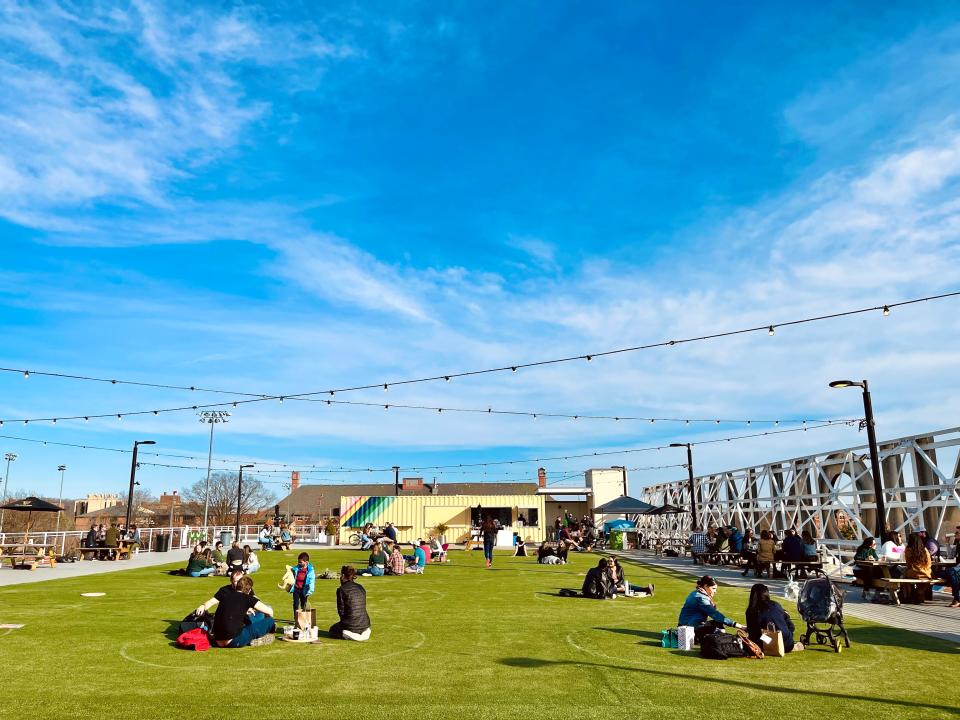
541, 477
294, 480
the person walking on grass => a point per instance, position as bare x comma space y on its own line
489, 530
303, 582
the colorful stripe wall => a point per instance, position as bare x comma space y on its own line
359, 510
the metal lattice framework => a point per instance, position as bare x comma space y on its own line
831, 494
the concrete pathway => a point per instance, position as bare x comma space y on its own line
9, 576
932, 618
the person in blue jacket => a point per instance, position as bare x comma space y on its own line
700, 611
736, 539
303, 581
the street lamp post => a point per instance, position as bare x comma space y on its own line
693, 493
9, 457
133, 477
212, 417
62, 469
623, 473
239, 495
874, 451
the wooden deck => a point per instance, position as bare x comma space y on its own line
932, 618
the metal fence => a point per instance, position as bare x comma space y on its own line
831, 494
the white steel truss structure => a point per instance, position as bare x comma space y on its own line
831, 494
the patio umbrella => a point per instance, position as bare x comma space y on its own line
667, 509
31, 505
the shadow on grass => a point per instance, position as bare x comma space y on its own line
726, 682
893, 637
653, 636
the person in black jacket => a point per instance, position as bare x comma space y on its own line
354, 622
762, 611
599, 581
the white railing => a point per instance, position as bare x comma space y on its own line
180, 536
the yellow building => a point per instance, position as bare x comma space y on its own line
416, 516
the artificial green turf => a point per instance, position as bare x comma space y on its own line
458, 642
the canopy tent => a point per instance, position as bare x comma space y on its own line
624, 505
31, 505
619, 524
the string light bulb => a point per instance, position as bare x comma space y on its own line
26, 374
886, 310
770, 330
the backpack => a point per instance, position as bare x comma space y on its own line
720, 646
196, 622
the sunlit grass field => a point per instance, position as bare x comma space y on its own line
460, 641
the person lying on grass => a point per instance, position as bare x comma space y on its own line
547, 555
241, 618
354, 623
700, 611
620, 584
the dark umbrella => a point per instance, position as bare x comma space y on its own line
667, 509
624, 505
31, 505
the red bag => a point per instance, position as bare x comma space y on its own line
195, 639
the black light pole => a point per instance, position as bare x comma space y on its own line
239, 495
874, 451
396, 479
133, 476
693, 494
623, 472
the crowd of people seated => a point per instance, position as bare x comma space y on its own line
110, 537
276, 535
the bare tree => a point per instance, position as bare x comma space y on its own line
223, 496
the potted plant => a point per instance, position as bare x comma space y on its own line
439, 530
330, 530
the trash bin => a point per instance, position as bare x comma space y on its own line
226, 537
161, 543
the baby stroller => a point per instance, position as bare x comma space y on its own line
821, 606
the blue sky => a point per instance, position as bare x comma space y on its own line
288, 197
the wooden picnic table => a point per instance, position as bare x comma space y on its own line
21, 554
920, 588
123, 547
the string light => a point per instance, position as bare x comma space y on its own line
538, 363
26, 374
770, 330
886, 310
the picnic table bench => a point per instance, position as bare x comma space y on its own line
725, 557
787, 567
20, 555
122, 549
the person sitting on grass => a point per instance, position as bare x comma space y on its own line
219, 558
241, 618
598, 584
546, 554
700, 611
620, 584
235, 557
762, 611
377, 562
303, 582
520, 549
250, 562
396, 565
201, 564
418, 561
354, 623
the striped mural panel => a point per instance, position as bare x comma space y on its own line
363, 509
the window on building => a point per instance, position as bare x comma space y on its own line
532, 516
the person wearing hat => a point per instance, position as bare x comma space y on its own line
700, 610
